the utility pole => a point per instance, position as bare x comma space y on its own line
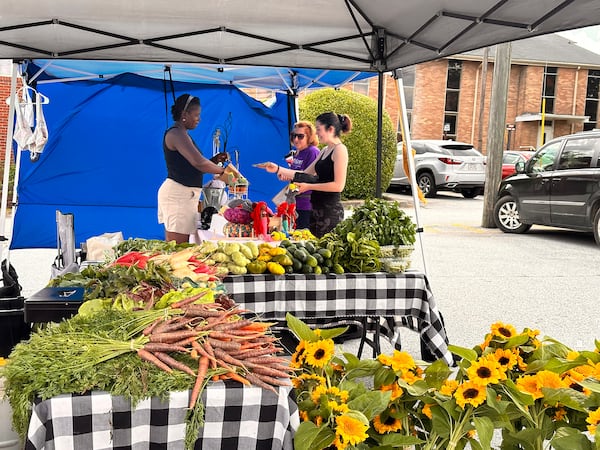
484, 68
495, 137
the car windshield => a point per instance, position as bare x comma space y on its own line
511, 158
461, 150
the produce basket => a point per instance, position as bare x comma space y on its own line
396, 251
395, 264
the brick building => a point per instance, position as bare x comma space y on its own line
443, 96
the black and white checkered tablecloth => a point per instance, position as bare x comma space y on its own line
236, 417
403, 299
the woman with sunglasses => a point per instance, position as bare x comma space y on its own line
330, 169
179, 194
304, 139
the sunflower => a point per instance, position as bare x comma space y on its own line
427, 410
547, 379
449, 387
386, 360
411, 377
503, 330
593, 419
559, 414
529, 385
388, 425
298, 356
471, 393
395, 388
572, 379
336, 407
572, 355
303, 416
319, 353
350, 430
308, 379
506, 358
486, 371
332, 393
486, 342
402, 361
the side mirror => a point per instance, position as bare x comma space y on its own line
520, 167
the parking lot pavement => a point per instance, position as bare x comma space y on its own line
548, 279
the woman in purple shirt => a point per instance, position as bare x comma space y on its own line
304, 138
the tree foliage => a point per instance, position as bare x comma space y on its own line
361, 141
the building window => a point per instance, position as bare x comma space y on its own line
452, 98
408, 81
591, 99
549, 88
362, 87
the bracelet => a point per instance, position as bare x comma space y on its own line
278, 167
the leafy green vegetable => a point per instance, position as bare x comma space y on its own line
148, 245
379, 220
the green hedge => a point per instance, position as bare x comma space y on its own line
361, 141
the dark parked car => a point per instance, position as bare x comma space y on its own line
559, 186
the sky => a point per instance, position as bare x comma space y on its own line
588, 38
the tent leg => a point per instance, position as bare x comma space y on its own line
7, 156
411, 164
379, 134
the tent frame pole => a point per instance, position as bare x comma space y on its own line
379, 134
7, 157
411, 163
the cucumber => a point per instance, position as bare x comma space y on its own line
307, 269
310, 247
325, 253
301, 255
311, 261
327, 263
318, 270
296, 265
325, 270
288, 269
338, 269
319, 258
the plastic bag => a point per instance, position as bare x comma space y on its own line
100, 248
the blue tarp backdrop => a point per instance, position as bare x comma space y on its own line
104, 159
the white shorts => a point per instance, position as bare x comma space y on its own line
178, 207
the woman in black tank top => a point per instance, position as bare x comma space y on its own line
178, 196
330, 169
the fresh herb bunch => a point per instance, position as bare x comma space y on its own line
148, 245
109, 281
379, 220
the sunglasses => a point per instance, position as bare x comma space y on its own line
297, 136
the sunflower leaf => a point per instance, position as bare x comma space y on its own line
465, 353
310, 437
485, 431
300, 329
437, 373
400, 440
371, 403
567, 438
517, 340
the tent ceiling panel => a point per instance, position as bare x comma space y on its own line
276, 33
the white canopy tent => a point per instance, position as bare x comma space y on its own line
363, 35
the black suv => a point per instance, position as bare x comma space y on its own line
559, 186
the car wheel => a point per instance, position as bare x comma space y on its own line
426, 184
597, 227
506, 216
470, 193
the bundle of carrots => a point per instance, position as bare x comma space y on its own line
226, 345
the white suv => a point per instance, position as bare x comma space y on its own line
444, 165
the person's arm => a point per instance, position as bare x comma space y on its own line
340, 170
181, 142
288, 174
